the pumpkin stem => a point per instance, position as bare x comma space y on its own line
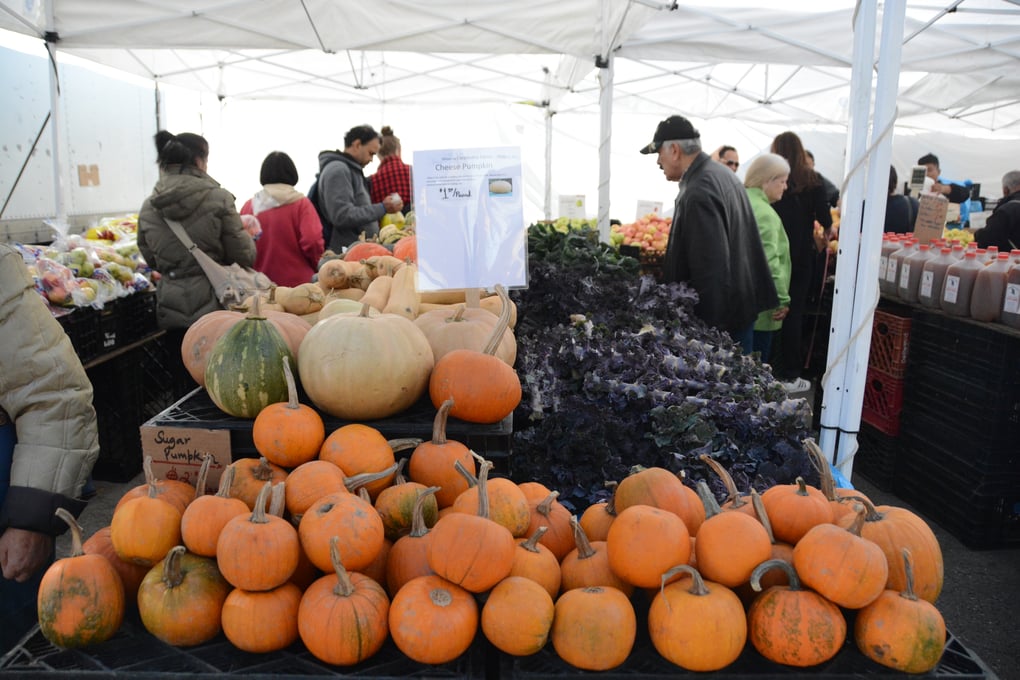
355, 483
258, 515
418, 526
147, 469
439, 423
173, 574
763, 516
759, 571
502, 324
344, 587
545, 507
871, 512
458, 313
611, 503
278, 499
531, 544
398, 474
465, 473
203, 474
708, 500
403, 444
818, 462
584, 549
801, 487
908, 568
292, 393
860, 513
483, 493
256, 307
72, 523
365, 309
262, 472
733, 494
697, 583
364, 495
226, 480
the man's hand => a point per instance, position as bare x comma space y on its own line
780, 313
23, 553
393, 203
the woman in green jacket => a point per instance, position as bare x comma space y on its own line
765, 180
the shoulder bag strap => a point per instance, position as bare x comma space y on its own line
214, 271
178, 229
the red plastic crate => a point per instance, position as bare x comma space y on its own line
890, 340
883, 401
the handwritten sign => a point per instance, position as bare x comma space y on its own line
931, 217
177, 452
469, 212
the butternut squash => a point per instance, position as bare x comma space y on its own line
378, 292
301, 299
382, 265
404, 298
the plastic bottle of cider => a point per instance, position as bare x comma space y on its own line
911, 268
959, 284
892, 267
990, 290
1011, 302
890, 244
933, 273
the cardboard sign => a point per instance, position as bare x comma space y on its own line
931, 217
177, 452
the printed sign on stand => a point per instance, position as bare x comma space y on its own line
469, 211
572, 206
648, 208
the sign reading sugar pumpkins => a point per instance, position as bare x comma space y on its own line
469, 212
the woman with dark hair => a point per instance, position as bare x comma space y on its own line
803, 205
185, 193
291, 242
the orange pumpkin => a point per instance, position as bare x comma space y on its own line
593, 628
696, 624
81, 597
517, 616
534, 561
361, 250
472, 551
288, 433
790, 625
893, 529
343, 617
181, 599
901, 630
838, 497
264, 621
848, 570
432, 620
550, 513
358, 449
432, 462
795, 508
144, 529
660, 488
341, 514
174, 492
730, 543
395, 505
202, 335
258, 551
205, 518
644, 542
507, 504
483, 387
251, 475
588, 565
597, 517
406, 248
311, 481
408, 557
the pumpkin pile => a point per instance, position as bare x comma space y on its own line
365, 344
342, 552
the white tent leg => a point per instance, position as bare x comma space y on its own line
60, 180
851, 338
548, 162
605, 145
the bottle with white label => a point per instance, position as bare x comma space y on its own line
1011, 302
990, 290
911, 268
892, 267
933, 273
890, 244
959, 284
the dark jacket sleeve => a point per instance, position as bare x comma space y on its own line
958, 193
1002, 228
337, 195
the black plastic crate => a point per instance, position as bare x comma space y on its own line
82, 327
876, 456
975, 449
982, 512
960, 346
134, 653
136, 316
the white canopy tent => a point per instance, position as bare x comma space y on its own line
736, 70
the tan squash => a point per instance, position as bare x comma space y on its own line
378, 292
404, 298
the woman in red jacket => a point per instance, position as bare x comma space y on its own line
290, 245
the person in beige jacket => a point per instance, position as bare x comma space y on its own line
48, 441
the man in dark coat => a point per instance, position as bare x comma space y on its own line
1003, 226
714, 243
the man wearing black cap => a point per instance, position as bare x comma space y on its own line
714, 243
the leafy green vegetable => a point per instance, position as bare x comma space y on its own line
617, 371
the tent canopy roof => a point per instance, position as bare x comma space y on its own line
718, 59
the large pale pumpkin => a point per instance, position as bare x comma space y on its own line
462, 327
365, 367
245, 370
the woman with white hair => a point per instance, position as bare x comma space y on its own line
765, 181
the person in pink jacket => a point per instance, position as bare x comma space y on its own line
290, 245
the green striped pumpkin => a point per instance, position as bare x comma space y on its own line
244, 373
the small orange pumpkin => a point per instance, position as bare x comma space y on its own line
81, 597
534, 561
205, 518
660, 488
288, 433
262, 621
587, 565
408, 557
357, 448
550, 513
507, 504
311, 481
517, 616
644, 542
432, 462
251, 475
597, 517
432, 620
131, 575
730, 543
341, 514
395, 505
181, 599
795, 508
258, 551
593, 628
173, 491
144, 529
